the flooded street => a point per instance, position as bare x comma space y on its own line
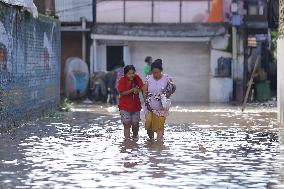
204, 147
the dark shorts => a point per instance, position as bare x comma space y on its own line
129, 117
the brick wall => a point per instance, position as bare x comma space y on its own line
29, 64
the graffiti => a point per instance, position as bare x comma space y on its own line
47, 52
5, 48
27, 51
3, 57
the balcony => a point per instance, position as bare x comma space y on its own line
162, 11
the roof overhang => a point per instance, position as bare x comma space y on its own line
193, 32
74, 29
137, 38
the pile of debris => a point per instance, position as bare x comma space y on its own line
270, 103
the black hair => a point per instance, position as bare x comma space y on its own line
147, 59
157, 64
128, 68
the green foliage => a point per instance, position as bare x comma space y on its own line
274, 38
66, 105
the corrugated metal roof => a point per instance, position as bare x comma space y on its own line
73, 10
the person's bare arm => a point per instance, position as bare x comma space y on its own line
125, 93
144, 91
145, 95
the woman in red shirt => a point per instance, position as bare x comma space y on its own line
129, 105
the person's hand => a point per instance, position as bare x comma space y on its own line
148, 107
135, 90
168, 95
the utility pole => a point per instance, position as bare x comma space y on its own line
94, 12
49, 7
93, 61
234, 10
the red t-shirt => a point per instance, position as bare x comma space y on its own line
131, 102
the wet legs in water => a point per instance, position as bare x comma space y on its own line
135, 129
150, 134
127, 130
160, 135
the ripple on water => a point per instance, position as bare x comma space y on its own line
88, 152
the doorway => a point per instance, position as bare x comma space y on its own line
114, 57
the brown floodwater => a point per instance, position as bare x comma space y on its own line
214, 147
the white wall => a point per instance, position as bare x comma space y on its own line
186, 62
221, 89
73, 10
195, 11
110, 11
101, 58
280, 80
166, 12
138, 11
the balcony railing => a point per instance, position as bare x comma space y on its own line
160, 11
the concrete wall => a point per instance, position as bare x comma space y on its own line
280, 80
29, 64
221, 89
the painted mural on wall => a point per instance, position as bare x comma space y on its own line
76, 75
29, 63
5, 48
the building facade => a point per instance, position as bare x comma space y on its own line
76, 18
191, 36
259, 27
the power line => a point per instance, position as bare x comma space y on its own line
73, 8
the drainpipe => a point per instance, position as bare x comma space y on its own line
84, 26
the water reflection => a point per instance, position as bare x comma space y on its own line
85, 150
